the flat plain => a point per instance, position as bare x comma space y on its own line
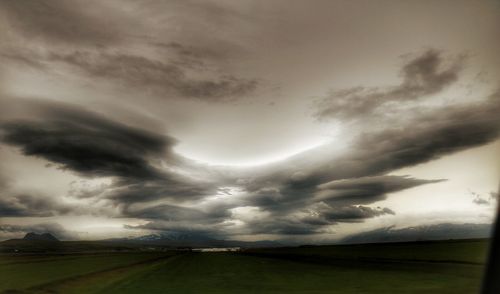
418, 267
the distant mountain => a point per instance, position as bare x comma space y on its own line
180, 239
33, 242
40, 237
443, 231
174, 236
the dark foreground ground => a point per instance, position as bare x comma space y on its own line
424, 267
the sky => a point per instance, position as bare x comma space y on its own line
306, 121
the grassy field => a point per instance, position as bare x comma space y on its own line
433, 267
460, 251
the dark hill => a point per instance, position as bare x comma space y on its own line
40, 237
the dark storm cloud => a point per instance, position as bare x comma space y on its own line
177, 213
88, 144
124, 191
188, 228
421, 77
435, 134
321, 214
307, 215
328, 193
310, 211
367, 189
285, 226
425, 134
318, 218
286, 197
60, 21
32, 206
312, 191
354, 213
345, 181
323, 204
92, 146
171, 186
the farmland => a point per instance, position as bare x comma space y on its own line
419, 267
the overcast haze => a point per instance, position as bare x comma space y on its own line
304, 121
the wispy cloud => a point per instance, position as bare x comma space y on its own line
425, 75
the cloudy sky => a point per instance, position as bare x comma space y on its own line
249, 120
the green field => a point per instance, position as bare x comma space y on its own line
430, 267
